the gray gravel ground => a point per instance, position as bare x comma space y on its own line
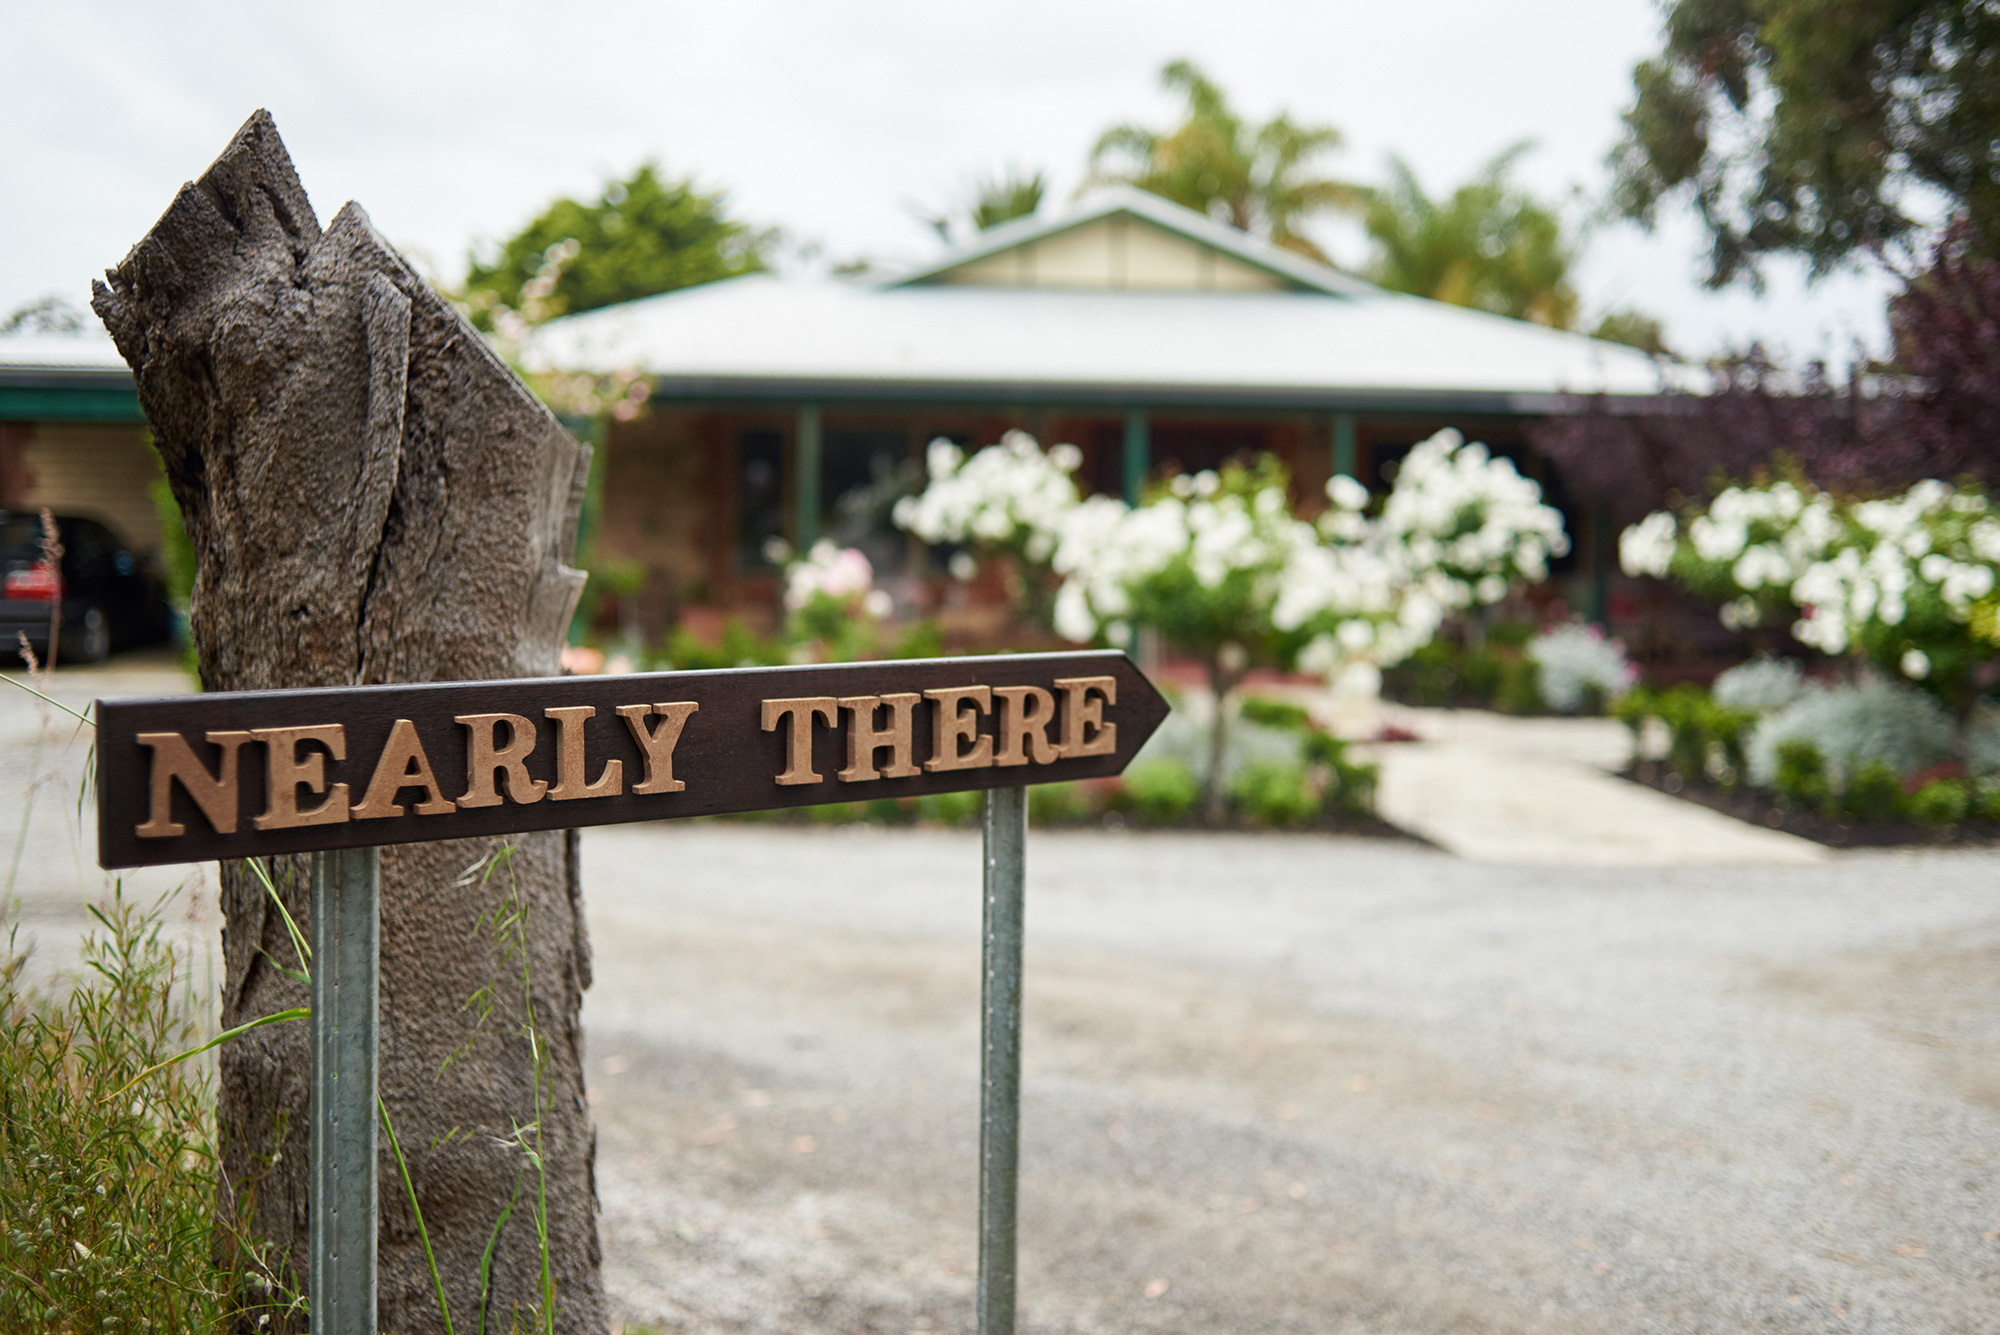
1274, 1083
48, 822
1298, 1084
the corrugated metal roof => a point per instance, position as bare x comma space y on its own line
1333, 340
88, 359
741, 334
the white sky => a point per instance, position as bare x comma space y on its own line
452, 123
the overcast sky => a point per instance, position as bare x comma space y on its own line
836, 122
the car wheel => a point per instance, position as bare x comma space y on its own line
93, 636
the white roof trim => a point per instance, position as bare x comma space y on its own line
91, 350
1112, 201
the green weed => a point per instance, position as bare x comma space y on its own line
107, 1149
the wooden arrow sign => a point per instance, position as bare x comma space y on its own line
244, 774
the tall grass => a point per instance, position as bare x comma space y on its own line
108, 1152
107, 1182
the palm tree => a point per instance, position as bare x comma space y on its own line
1251, 177
990, 201
1489, 245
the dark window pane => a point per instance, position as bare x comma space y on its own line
1194, 447
760, 495
863, 475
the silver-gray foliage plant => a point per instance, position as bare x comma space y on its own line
1873, 720
1573, 658
1183, 737
1760, 686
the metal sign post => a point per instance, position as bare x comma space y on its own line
1005, 830
341, 772
346, 947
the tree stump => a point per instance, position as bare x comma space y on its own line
373, 497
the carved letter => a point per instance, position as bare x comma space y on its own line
1025, 715
403, 764
1081, 712
954, 723
485, 759
658, 742
801, 711
864, 739
571, 763
215, 794
289, 771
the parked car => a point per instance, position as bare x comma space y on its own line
110, 598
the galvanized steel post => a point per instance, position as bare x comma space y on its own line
346, 946
1005, 823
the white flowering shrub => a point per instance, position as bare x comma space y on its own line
1877, 720
1471, 524
1218, 564
1575, 662
1202, 562
832, 601
1010, 498
1459, 528
1759, 686
1910, 583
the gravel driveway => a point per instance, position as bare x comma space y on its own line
1274, 1083
1298, 1084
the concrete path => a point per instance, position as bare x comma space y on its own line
1543, 791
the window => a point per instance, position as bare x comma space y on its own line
760, 495
862, 476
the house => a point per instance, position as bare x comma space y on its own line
72, 437
1144, 333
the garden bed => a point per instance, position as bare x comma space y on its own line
1756, 806
1060, 812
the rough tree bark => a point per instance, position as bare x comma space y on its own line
373, 497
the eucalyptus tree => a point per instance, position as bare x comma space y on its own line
1254, 177
1825, 131
642, 235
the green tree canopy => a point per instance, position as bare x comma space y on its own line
1253, 177
1488, 245
642, 235
1815, 127
50, 314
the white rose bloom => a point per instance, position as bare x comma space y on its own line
1346, 493
1760, 566
1718, 539
1073, 617
1741, 614
943, 458
1967, 583
1647, 547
